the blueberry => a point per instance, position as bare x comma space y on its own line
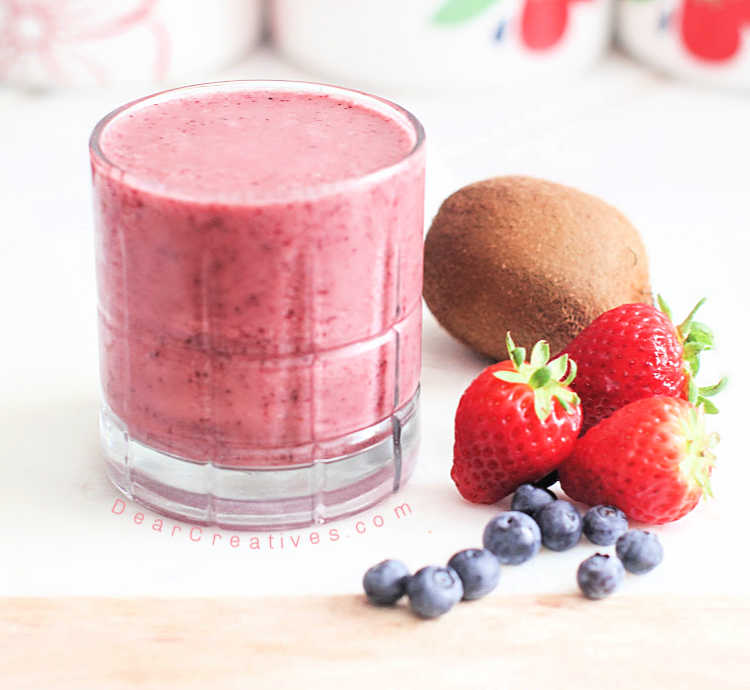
599, 575
528, 499
602, 525
385, 583
639, 551
433, 591
478, 569
560, 524
513, 537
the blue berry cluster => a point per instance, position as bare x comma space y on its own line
637, 551
434, 590
537, 518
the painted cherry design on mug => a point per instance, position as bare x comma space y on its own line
711, 29
543, 22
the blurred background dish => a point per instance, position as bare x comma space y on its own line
421, 45
429, 44
51, 43
702, 40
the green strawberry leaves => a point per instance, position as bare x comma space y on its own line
459, 11
543, 376
713, 390
699, 458
701, 334
539, 354
705, 392
685, 326
696, 338
663, 306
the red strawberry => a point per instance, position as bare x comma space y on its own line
515, 423
635, 351
652, 459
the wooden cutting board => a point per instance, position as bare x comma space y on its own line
624, 642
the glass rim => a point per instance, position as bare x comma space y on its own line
314, 190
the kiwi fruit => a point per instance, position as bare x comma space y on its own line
532, 257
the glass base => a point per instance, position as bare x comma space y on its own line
265, 497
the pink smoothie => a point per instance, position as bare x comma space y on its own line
259, 265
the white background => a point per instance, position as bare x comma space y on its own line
673, 157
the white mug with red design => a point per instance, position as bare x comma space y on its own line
48, 43
704, 40
432, 43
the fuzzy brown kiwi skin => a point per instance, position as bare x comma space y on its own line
536, 258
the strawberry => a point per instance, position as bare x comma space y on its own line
515, 423
635, 351
652, 459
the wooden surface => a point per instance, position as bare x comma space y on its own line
624, 642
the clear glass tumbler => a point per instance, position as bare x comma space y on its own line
259, 265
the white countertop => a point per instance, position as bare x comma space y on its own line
673, 157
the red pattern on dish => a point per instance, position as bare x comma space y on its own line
57, 33
711, 29
543, 22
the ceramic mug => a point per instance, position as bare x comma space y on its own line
48, 43
431, 43
704, 40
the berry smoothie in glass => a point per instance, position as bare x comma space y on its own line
259, 265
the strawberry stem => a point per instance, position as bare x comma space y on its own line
542, 376
709, 391
703, 394
699, 459
517, 354
663, 306
696, 338
571, 374
685, 326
